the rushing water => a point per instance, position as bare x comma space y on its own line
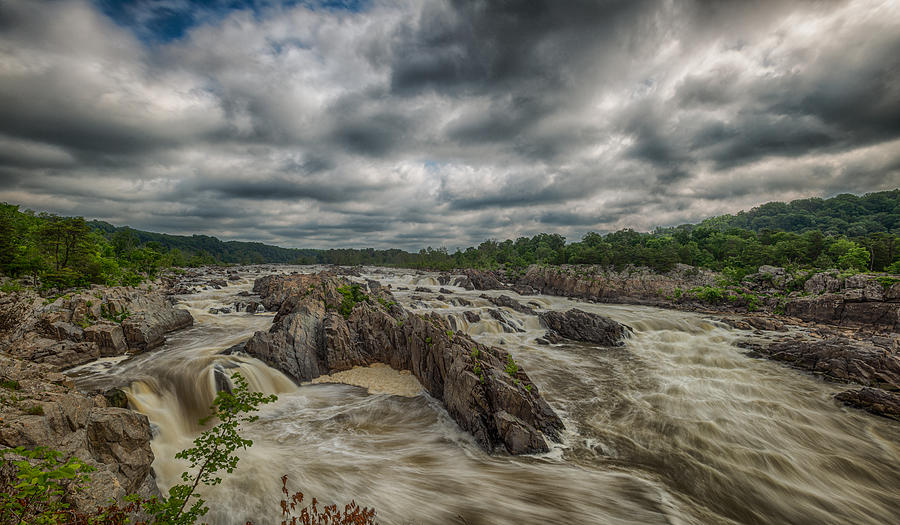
677, 426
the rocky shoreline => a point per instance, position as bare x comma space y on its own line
842, 328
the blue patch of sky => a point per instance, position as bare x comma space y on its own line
161, 21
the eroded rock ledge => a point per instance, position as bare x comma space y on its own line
78, 328
484, 392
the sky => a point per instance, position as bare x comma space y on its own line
400, 123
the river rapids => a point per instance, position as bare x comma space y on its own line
676, 427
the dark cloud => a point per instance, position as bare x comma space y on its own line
444, 122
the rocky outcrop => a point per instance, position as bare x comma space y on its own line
579, 325
40, 408
509, 302
482, 280
874, 400
871, 301
78, 328
496, 402
836, 358
595, 283
873, 364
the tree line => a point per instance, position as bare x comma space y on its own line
846, 231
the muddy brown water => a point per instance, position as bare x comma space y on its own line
678, 427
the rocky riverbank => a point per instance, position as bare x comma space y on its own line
39, 407
842, 327
325, 325
77, 328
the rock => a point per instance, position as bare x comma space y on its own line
114, 441
445, 291
509, 302
116, 397
310, 338
874, 400
471, 316
764, 323
109, 337
837, 358
579, 325
422, 289
253, 307
834, 309
483, 280
63, 331
505, 323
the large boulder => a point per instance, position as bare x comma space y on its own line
579, 325
494, 401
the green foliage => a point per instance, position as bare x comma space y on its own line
351, 295
35, 410
511, 367
894, 268
42, 478
385, 303
10, 287
10, 384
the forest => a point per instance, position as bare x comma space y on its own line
847, 231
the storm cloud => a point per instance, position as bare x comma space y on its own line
402, 123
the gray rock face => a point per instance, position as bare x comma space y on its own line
53, 333
109, 337
310, 338
115, 441
579, 325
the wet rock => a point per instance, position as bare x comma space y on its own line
471, 316
579, 325
874, 400
310, 338
509, 302
484, 280
254, 307
116, 397
505, 323
445, 291
837, 358
422, 289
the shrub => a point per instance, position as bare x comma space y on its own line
351, 295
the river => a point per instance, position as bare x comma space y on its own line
678, 426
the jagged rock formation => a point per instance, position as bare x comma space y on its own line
479, 385
579, 325
39, 407
874, 400
78, 328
